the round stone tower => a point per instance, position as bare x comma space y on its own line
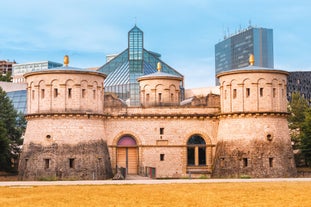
64, 134
253, 136
159, 89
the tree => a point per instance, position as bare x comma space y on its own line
12, 126
6, 78
297, 108
306, 138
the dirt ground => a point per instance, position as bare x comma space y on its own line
203, 194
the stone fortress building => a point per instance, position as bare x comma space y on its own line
76, 130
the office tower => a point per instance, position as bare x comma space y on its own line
233, 52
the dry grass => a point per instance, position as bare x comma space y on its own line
209, 194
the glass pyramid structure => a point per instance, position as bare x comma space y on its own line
124, 69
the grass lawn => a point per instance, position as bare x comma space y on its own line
208, 194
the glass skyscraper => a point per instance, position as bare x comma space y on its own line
233, 52
124, 69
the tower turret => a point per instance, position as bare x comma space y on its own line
253, 136
159, 88
64, 136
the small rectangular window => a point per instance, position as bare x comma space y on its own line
147, 97
162, 157
55, 92
46, 163
234, 93
160, 97
225, 94
248, 92
172, 97
26, 163
71, 163
83, 93
42, 93
94, 94
282, 92
222, 162
261, 92
33, 94
270, 162
245, 162
69, 92
274, 92
161, 130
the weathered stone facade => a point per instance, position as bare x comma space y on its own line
64, 137
87, 136
253, 136
84, 160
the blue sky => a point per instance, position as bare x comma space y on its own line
184, 32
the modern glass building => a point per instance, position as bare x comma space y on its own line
124, 69
233, 52
17, 93
299, 81
19, 100
20, 69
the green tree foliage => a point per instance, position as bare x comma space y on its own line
306, 138
297, 108
12, 126
6, 78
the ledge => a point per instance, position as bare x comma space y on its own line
252, 114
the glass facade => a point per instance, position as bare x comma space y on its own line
299, 81
233, 52
35, 66
135, 44
20, 69
124, 69
19, 100
135, 56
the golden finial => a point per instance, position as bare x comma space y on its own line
159, 66
66, 60
251, 59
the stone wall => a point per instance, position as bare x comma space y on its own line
173, 162
63, 128
80, 161
255, 146
172, 142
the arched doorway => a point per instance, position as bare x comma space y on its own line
127, 154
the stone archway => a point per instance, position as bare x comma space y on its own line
127, 154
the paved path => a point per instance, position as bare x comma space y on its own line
24, 184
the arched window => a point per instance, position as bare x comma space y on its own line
196, 151
127, 141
